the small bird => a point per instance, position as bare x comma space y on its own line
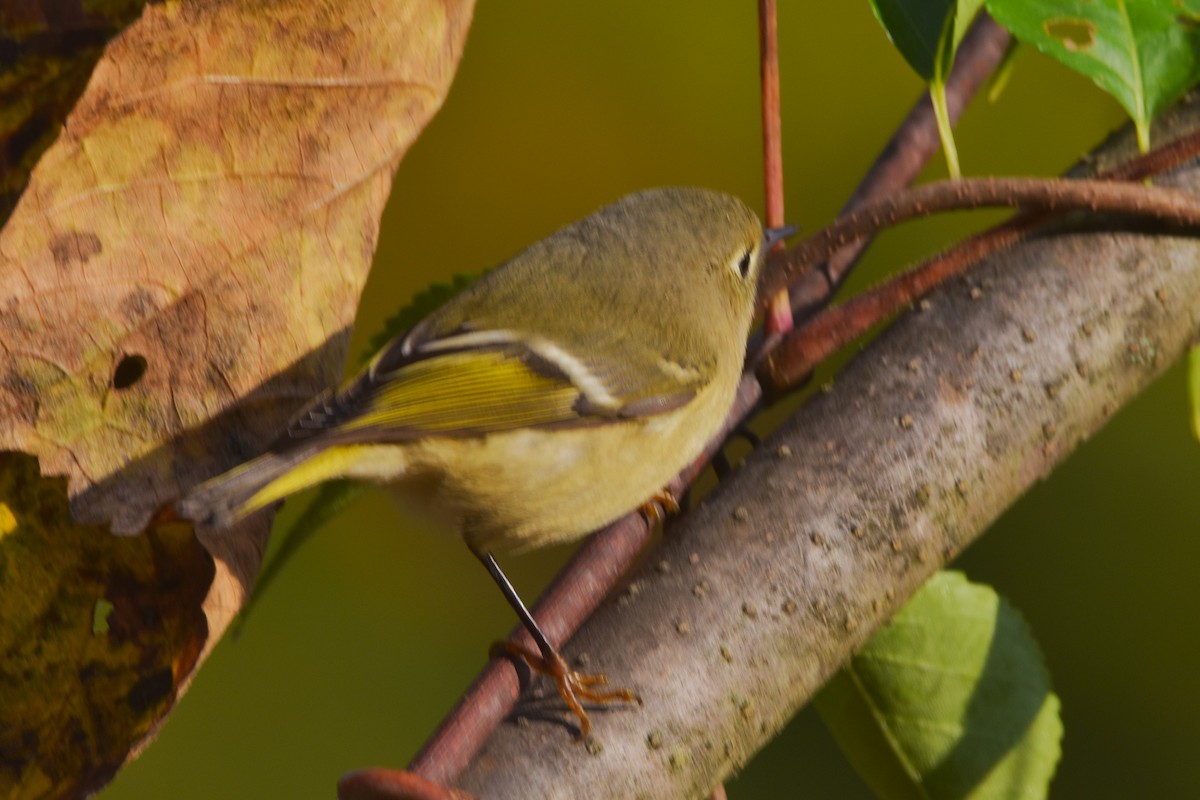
561, 390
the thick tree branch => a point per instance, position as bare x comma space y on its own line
758, 595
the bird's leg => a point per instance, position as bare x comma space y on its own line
660, 506
573, 686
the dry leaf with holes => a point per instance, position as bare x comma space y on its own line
178, 277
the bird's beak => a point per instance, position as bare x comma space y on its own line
773, 235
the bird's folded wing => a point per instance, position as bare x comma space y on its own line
478, 382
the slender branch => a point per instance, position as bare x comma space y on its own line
778, 317
388, 784
1096, 196
800, 352
905, 155
1162, 159
771, 119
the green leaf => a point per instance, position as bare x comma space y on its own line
926, 32
915, 28
964, 15
1194, 387
950, 700
1145, 53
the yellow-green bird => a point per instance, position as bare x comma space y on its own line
563, 389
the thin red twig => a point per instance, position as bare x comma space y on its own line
905, 155
801, 351
771, 120
794, 358
1043, 194
779, 312
390, 784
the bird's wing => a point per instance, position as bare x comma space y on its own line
471, 382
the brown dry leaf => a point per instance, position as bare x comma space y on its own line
179, 276
98, 633
211, 207
47, 52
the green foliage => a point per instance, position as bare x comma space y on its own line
950, 700
927, 33
1145, 53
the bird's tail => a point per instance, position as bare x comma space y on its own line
256, 484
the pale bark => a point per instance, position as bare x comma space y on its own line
757, 596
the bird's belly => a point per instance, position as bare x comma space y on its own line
523, 489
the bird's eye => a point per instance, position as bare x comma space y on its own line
743, 263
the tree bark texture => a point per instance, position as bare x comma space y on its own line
759, 594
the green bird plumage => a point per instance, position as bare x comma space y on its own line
559, 391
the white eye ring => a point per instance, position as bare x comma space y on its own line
740, 265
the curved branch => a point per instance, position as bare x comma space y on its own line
1144, 202
793, 357
793, 562
906, 153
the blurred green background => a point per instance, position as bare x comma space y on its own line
372, 631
